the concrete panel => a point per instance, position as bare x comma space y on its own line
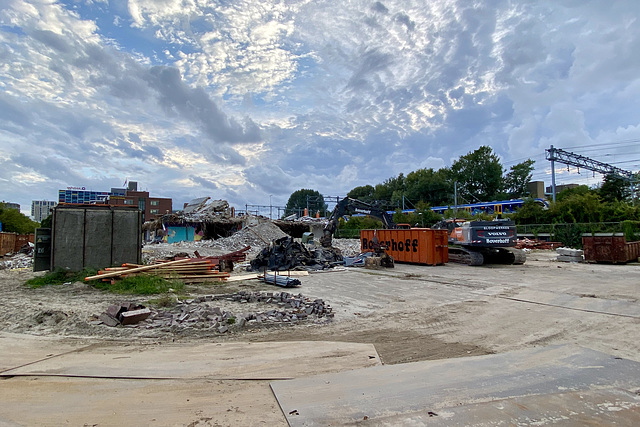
20, 350
54, 402
399, 390
576, 409
184, 384
577, 302
127, 245
97, 238
68, 239
220, 361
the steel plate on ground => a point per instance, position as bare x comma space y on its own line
393, 392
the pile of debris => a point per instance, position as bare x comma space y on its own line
570, 255
257, 235
16, 261
287, 254
202, 313
526, 243
126, 313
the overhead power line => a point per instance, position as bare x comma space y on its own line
572, 159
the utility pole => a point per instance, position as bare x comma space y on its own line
552, 158
571, 159
455, 199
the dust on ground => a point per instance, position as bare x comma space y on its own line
410, 313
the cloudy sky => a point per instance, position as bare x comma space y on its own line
250, 100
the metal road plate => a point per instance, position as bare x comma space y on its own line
394, 392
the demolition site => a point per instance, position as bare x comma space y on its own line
278, 322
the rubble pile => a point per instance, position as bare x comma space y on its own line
526, 243
257, 236
348, 247
202, 313
287, 254
570, 255
15, 261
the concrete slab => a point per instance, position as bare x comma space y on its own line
262, 360
576, 302
576, 409
20, 349
112, 384
59, 401
399, 390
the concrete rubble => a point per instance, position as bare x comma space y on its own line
287, 254
126, 313
203, 312
570, 255
16, 261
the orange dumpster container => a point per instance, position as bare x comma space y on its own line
415, 245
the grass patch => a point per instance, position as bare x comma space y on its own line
163, 301
140, 285
59, 277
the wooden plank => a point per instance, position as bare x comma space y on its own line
133, 270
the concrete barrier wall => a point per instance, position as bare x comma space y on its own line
95, 236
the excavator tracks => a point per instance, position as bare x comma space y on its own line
508, 256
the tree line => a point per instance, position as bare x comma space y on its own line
476, 176
15, 222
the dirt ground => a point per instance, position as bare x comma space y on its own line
410, 313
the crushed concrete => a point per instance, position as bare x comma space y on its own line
203, 312
16, 261
257, 236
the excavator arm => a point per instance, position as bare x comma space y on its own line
349, 205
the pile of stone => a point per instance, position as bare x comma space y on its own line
16, 261
126, 313
204, 312
570, 255
257, 235
348, 247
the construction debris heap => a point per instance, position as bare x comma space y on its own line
287, 254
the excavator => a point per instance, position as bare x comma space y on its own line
482, 242
348, 205
470, 242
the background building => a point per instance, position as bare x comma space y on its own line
41, 209
130, 196
82, 196
10, 205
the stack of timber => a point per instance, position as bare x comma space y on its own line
187, 270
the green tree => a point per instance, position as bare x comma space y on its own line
531, 213
364, 194
578, 207
423, 216
390, 191
429, 186
304, 198
614, 188
580, 190
15, 222
479, 174
515, 182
